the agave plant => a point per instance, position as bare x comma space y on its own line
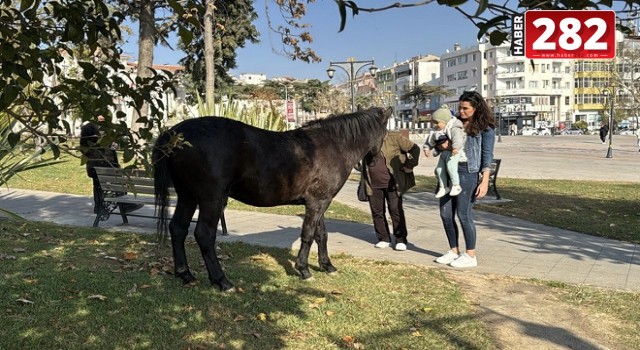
264, 118
18, 155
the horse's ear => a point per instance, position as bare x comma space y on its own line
387, 114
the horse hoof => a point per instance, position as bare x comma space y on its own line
305, 275
330, 269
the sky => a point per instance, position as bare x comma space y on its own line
385, 37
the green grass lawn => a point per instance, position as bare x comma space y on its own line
83, 288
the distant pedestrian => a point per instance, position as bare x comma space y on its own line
97, 155
638, 137
479, 125
389, 174
604, 130
513, 129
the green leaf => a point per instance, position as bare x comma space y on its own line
452, 3
13, 139
26, 5
482, 6
497, 37
343, 14
186, 35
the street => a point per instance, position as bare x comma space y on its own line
559, 157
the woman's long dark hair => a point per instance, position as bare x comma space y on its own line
482, 117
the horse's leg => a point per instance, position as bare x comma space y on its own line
205, 234
321, 239
179, 228
313, 213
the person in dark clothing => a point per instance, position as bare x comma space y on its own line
604, 130
99, 156
389, 174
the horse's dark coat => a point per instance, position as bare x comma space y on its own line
226, 158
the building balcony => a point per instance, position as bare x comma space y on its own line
533, 92
589, 107
510, 59
509, 75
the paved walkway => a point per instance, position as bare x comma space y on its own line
506, 245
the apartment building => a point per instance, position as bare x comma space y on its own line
521, 91
411, 73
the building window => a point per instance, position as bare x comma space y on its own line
533, 84
567, 100
462, 75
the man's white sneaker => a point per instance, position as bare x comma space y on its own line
382, 245
455, 190
464, 260
447, 258
442, 192
401, 246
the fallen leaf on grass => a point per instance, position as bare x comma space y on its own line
130, 255
262, 316
239, 318
97, 297
348, 340
24, 301
329, 313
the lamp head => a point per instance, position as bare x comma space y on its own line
330, 72
373, 70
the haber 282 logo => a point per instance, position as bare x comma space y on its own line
588, 34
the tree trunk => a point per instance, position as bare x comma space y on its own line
209, 52
145, 52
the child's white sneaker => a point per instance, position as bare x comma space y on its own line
455, 190
442, 192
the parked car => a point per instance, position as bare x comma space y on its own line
527, 130
627, 132
572, 131
543, 131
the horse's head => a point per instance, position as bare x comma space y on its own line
382, 115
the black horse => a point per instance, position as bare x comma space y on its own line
211, 158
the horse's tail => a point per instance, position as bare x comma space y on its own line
161, 183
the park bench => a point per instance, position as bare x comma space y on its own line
493, 175
133, 186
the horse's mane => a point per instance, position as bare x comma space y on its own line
351, 127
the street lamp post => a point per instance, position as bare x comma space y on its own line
610, 95
352, 67
497, 111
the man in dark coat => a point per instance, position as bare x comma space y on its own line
604, 130
99, 156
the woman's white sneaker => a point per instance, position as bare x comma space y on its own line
447, 258
464, 260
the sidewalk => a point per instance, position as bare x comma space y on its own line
506, 246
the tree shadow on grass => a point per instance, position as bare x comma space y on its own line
72, 288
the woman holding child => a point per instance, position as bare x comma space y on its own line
473, 170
